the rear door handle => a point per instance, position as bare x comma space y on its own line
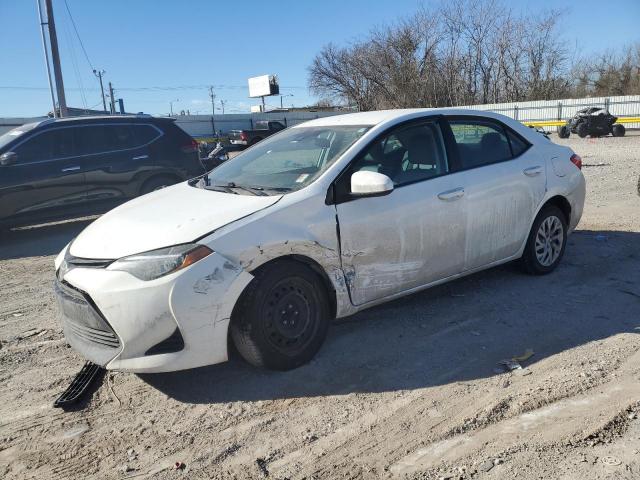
451, 195
140, 157
532, 171
71, 169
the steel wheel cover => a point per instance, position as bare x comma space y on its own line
290, 316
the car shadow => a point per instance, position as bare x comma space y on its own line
39, 240
451, 333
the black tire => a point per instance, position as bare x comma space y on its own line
530, 259
564, 132
282, 317
157, 183
582, 130
254, 141
618, 130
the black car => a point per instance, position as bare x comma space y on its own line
264, 128
593, 121
61, 168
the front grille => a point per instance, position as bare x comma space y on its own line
87, 262
85, 328
70, 262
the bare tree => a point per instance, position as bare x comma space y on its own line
465, 52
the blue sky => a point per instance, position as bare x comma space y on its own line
168, 43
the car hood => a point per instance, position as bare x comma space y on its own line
173, 215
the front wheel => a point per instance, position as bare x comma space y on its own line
618, 130
546, 243
564, 132
282, 318
582, 130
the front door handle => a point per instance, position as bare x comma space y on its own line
532, 171
451, 195
140, 157
71, 169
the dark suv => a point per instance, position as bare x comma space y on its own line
60, 168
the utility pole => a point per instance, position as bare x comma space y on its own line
213, 110
112, 98
282, 96
99, 74
212, 96
222, 104
55, 59
171, 105
46, 57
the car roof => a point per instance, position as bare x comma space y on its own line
102, 118
379, 117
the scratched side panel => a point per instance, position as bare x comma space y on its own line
501, 202
402, 240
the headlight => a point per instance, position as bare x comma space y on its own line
157, 263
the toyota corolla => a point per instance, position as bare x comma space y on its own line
319, 221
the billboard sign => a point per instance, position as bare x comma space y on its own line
263, 86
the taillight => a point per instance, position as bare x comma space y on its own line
243, 136
576, 160
190, 147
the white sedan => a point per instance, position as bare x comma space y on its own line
319, 221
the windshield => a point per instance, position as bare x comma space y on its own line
287, 161
11, 135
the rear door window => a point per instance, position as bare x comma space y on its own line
92, 140
479, 143
49, 145
120, 137
96, 139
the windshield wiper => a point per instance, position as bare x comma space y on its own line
276, 189
253, 190
224, 188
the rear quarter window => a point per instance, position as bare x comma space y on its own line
144, 134
518, 145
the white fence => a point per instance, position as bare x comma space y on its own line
541, 110
203, 125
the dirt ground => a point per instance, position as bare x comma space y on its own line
405, 390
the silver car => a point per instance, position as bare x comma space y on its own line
319, 221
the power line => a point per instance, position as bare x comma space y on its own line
164, 88
74, 63
78, 34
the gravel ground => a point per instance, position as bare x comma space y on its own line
404, 390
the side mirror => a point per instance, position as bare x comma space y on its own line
370, 184
8, 158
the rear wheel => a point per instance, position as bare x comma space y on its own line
618, 130
564, 132
255, 140
582, 130
282, 317
546, 243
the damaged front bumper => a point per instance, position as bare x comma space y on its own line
172, 323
